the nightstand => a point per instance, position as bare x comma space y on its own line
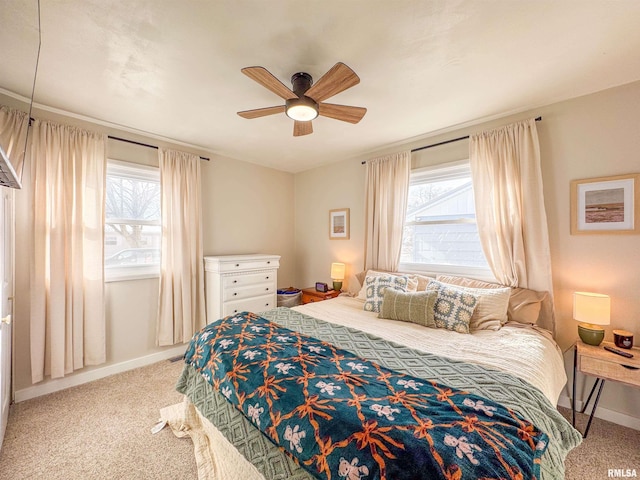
604, 365
310, 295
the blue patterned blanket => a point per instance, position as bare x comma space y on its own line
344, 416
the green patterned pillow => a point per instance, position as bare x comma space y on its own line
375, 287
453, 308
414, 307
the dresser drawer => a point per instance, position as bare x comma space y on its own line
256, 305
310, 295
306, 298
241, 265
248, 291
603, 368
235, 283
243, 279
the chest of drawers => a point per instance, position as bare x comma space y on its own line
237, 283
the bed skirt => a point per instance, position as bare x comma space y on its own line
216, 457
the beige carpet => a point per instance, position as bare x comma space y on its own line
607, 446
101, 430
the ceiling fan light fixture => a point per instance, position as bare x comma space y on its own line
306, 100
303, 109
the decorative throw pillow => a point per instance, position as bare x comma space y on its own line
375, 287
414, 307
491, 310
412, 283
453, 308
525, 305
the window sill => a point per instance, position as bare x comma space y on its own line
477, 273
126, 278
124, 274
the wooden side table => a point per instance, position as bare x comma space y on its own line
604, 365
310, 295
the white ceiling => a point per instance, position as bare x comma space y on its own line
172, 68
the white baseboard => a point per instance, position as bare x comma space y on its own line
605, 414
50, 386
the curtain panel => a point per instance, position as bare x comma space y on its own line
13, 134
67, 170
510, 213
386, 190
181, 301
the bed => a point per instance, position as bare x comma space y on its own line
517, 369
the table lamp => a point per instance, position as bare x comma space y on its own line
337, 275
592, 310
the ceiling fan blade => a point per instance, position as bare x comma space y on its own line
336, 80
342, 112
302, 128
261, 112
267, 80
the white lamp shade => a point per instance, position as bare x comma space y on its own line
302, 113
337, 271
593, 308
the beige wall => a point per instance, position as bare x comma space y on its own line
591, 136
249, 209
246, 209
318, 191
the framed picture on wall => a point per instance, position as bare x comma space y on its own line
339, 224
605, 205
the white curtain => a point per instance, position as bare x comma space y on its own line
13, 133
181, 304
512, 222
68, 168
386, 189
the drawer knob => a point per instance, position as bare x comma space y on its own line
266, 278
268, 262
235, 293
267, 289
237, 264
235, 281
235, 311
266, 304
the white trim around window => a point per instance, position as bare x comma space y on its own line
138, 261
438, 210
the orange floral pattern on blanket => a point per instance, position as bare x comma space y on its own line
342, 416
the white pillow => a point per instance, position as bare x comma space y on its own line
491, 311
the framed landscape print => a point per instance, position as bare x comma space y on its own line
339, 224
605, 205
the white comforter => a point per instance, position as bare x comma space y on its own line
521, 350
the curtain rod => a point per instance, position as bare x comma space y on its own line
31, 120
445, 142
142, 144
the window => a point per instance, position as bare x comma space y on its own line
440, 232
133, 227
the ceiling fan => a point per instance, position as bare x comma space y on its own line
306, 101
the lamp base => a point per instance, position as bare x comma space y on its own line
591, 334
337, 285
